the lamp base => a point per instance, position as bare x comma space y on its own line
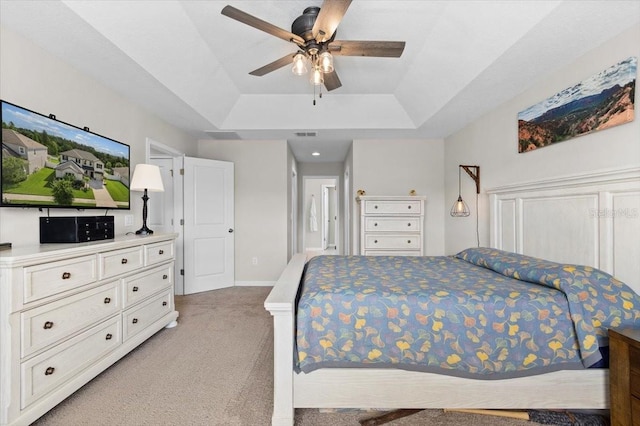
144, 231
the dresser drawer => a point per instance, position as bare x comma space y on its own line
138, 287
140, 317
118, 262
158, 253
52, 278
401, 242
51, 369
393, 207
52, 322
385, 224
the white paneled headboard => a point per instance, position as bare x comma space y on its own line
589, 219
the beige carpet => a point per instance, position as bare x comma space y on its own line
215, 368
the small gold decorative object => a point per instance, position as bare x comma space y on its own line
361, 192
412, 192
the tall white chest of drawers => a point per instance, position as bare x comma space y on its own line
392, 225
69, 311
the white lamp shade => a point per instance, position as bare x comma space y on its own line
147, 176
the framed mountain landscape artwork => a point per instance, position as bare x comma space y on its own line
604, 100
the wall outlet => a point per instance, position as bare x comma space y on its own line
254, 261
128, 220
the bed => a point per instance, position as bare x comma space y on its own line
591, 220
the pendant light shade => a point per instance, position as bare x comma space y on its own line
325, 60
317, 78
299, 64
460, 208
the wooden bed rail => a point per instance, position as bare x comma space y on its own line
281, 304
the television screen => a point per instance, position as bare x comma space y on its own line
48, 163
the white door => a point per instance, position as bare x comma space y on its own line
208, 225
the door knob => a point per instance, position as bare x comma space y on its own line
230, 230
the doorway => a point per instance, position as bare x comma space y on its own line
320, 222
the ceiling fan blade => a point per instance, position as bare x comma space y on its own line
277, 64
331, 13
331, 81
261, 25
381, 49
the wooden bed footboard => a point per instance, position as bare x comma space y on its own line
389, 388
281, 304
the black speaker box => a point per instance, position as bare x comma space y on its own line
76, 229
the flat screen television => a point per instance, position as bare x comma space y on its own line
47, 163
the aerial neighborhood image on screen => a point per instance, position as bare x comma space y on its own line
49, 163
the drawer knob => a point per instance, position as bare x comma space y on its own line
409, 241
135, 321
164, 303
409, 224
66, 275
165, 276
107, 300
135, 288
49, 371
123, 261
409, 207
48, 325
375, 241
375, 224
108, 336
375, 207
161, 252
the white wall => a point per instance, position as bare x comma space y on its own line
37, 80
491, 142
395, 167
261, 207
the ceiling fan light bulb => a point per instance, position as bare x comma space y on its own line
299, 65
316, 77
326, 62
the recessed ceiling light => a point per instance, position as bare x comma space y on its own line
315, 154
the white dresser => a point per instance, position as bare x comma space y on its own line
391, 225
69, 311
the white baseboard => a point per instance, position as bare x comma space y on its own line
254, 283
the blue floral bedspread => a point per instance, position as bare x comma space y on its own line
483, 313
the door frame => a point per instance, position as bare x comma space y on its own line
155, 149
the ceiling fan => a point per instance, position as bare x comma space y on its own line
314, 34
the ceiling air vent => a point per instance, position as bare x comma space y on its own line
306, 134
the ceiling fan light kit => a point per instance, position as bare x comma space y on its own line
314, 34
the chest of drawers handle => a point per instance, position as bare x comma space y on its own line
408, 241
409, 207
135, 288
124, 261
375, 241
165, 276
107, 300
134, 321
160, 251
66, 275
48, 325
49, 371
164, 303
108, 336
409, 224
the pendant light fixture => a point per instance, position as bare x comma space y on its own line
460, 208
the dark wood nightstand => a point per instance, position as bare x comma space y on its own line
624, 376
